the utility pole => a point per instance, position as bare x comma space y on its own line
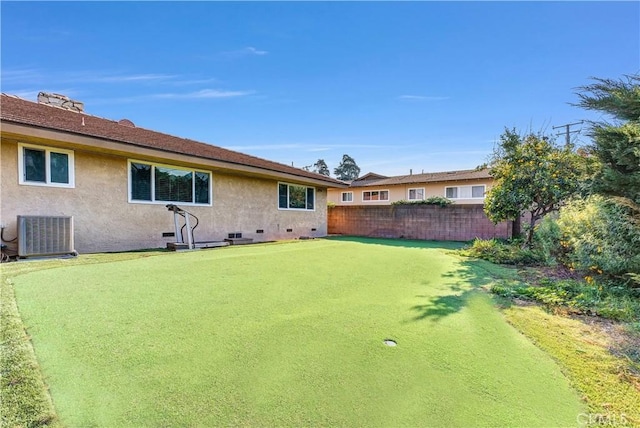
568, 131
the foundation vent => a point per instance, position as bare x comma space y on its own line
45, 236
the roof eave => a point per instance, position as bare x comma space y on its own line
45, 135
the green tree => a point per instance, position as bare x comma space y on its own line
616, 144
348, 169
531, 175
321, 167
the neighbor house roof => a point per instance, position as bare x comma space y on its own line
371, 179
23, 112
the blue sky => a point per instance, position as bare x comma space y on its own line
397, 85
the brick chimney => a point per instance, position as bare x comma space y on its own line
61, 101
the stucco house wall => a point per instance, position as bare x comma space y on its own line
244, 192
104, 220
399, 192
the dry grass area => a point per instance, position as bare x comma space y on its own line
600, 358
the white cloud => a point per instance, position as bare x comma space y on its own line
313, 147
421, 98
462, 152
148, 78
186, 82
205, 93
30, 76
254, 51
45, 35
128, 78
20, 76
383, 146
284, 146
239, 53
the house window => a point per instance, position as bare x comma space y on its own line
416, 194
44, 166
477, 191
465, 192
375, 195
451, 192
296, 197
163, 183
347, 196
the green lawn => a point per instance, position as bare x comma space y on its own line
287, 334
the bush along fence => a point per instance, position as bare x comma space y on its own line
416, 221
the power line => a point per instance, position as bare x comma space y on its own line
568, 130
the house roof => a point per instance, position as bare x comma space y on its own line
432, 177
371, 176
24, 112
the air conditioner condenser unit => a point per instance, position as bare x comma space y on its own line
45, 236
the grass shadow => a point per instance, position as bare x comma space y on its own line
439, 307
471, 275
469, 278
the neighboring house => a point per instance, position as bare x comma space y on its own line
461, 187
115, 180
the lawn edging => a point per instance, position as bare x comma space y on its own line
25, 399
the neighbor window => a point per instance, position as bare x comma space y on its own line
347, 196
465, 192
44, 166
375, 195
296, 197
416, 194
162, 183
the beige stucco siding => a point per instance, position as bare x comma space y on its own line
400, 192
104, 219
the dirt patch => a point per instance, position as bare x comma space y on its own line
535, 275
622, 341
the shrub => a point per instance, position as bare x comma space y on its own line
503, 252
600, 235
431, 200
547, 239
591, 297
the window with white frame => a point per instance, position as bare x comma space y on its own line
155, 183
296, 197
45, 166
416, 194
347, 196
375, 195
465, 192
